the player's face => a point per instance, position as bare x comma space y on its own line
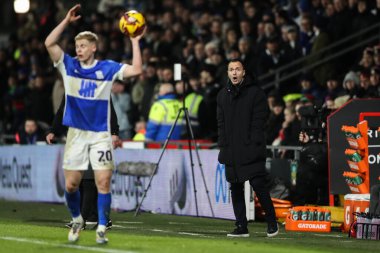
85, 50
235, 72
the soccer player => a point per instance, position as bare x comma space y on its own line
88, 84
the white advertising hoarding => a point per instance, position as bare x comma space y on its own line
34, 173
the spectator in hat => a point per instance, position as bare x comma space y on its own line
351, 83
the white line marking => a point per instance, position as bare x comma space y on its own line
131, 222
26, 240
195, 234
159, 230
186, 233
279, 238
373, 146
178, 223
323, 235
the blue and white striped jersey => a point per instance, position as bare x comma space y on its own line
88, 92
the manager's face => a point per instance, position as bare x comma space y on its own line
235, 72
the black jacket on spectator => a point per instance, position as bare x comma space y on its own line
37, 136
242, 113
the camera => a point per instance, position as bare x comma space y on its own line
313, 118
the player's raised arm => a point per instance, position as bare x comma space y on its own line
51, 42
136, 67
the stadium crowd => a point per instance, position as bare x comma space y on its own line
202, 36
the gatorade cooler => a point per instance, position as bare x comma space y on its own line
354, 203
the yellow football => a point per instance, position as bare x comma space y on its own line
132, 23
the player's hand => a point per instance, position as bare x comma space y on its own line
138, 37
116, 143
50, 138
72, 14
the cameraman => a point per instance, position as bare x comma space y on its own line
312, 173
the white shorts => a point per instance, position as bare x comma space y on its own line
84, 147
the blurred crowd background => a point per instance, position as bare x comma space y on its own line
202, 35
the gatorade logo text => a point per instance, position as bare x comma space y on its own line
312, 226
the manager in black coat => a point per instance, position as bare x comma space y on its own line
242, 112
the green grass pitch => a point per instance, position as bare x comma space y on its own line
39, 227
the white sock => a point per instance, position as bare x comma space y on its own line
101, 228
78, 219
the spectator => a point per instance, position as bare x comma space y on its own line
209, 91
375, 79
366, 90
163, 114
321, 40
30, 133
140, 130
306, 34
122, 104
292, 47
195, 106
143, 90
341, 21
363, 19
38, 101
247, 55
271, 58
14, 103
310, 89
351, 84
274, 122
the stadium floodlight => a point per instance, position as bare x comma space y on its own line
21, 6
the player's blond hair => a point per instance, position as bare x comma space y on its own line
87, 35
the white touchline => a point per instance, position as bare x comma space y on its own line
130, 222
186, 233
177, 223
26, 240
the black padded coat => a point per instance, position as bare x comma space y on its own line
242, 112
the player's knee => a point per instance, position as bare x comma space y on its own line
103, 185
71, 186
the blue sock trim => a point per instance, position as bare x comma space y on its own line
73, 203
104, 208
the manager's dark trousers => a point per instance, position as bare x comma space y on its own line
262, 192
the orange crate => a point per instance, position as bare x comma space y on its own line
358, 166
357, 143
307, 225
361, 188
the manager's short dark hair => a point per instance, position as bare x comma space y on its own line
235, 60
